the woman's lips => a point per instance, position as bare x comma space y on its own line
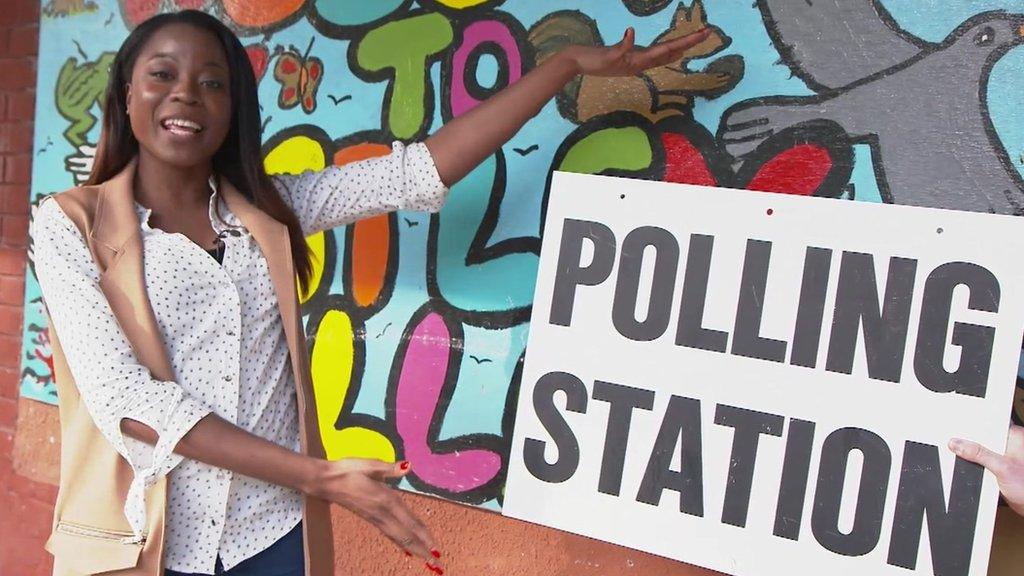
181, 126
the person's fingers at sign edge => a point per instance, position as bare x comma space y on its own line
974, 452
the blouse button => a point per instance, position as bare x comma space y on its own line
228, 378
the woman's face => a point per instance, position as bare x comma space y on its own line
179, 100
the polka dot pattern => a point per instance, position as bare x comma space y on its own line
406, 179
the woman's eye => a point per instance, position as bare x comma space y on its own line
216, 84
162, 75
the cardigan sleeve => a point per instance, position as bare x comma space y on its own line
111, 381
405, 179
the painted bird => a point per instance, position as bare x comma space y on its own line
921, 106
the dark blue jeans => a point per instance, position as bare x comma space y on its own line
284, 558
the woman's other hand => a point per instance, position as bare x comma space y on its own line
1008, 467
361, 486
464, 142
625, 59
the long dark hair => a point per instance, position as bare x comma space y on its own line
239, 158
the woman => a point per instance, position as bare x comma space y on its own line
192, 367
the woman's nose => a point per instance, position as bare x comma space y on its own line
185, 92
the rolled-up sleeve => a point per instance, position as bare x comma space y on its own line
405, 179
111, 381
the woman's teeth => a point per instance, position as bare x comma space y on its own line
179, 126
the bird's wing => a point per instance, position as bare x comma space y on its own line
832, 43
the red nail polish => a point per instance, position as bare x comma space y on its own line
404, 465
435, 569
435, 553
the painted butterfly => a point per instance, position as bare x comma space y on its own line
299, 77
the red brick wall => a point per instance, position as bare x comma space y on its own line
26, 507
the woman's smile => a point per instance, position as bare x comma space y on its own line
181, 126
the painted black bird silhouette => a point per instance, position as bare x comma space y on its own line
80, 51
920, 105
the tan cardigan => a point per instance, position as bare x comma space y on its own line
90, 532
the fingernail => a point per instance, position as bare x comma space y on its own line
956, 444
435, 553
435, 569
404, 465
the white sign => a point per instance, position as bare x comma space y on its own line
759, 383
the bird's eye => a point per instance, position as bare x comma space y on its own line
985, 36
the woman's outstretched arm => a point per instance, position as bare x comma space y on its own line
463, 143
354, 483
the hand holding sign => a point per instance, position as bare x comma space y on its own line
1008, 468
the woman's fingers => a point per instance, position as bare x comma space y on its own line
686, 42
974, 452
665, 52
426, 547
376, 469
402, 533
627, 43
399, 525
379, 504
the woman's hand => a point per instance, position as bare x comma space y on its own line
1008, 468
464, 142
359, 485
356, 484
625, 59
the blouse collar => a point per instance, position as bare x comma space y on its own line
217, 210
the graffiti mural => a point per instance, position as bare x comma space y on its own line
417, 323
890, 90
